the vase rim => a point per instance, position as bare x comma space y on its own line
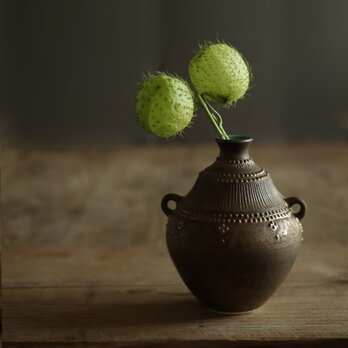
235, 138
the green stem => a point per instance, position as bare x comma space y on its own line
220, 130
218, 118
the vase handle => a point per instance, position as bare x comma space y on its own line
303, 206
169, 197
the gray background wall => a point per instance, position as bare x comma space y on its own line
70, 68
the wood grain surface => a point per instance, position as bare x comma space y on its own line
85, 264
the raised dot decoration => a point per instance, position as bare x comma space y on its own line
180, 225
237, 163
273, 225
236, 178
223, 241
237, 218
223, 229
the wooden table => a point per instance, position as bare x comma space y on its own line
85, 264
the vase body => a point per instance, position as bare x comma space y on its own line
233, 238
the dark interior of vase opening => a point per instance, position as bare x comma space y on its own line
236, 138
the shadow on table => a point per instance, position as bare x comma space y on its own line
129, 309
162, 311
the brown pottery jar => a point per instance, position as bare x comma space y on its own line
233, 238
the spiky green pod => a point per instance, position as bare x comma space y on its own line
219, 73
165, 105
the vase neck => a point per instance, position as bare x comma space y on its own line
236, 148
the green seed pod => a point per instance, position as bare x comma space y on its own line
219, 73
165, 105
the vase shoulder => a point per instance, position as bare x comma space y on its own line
234, 185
